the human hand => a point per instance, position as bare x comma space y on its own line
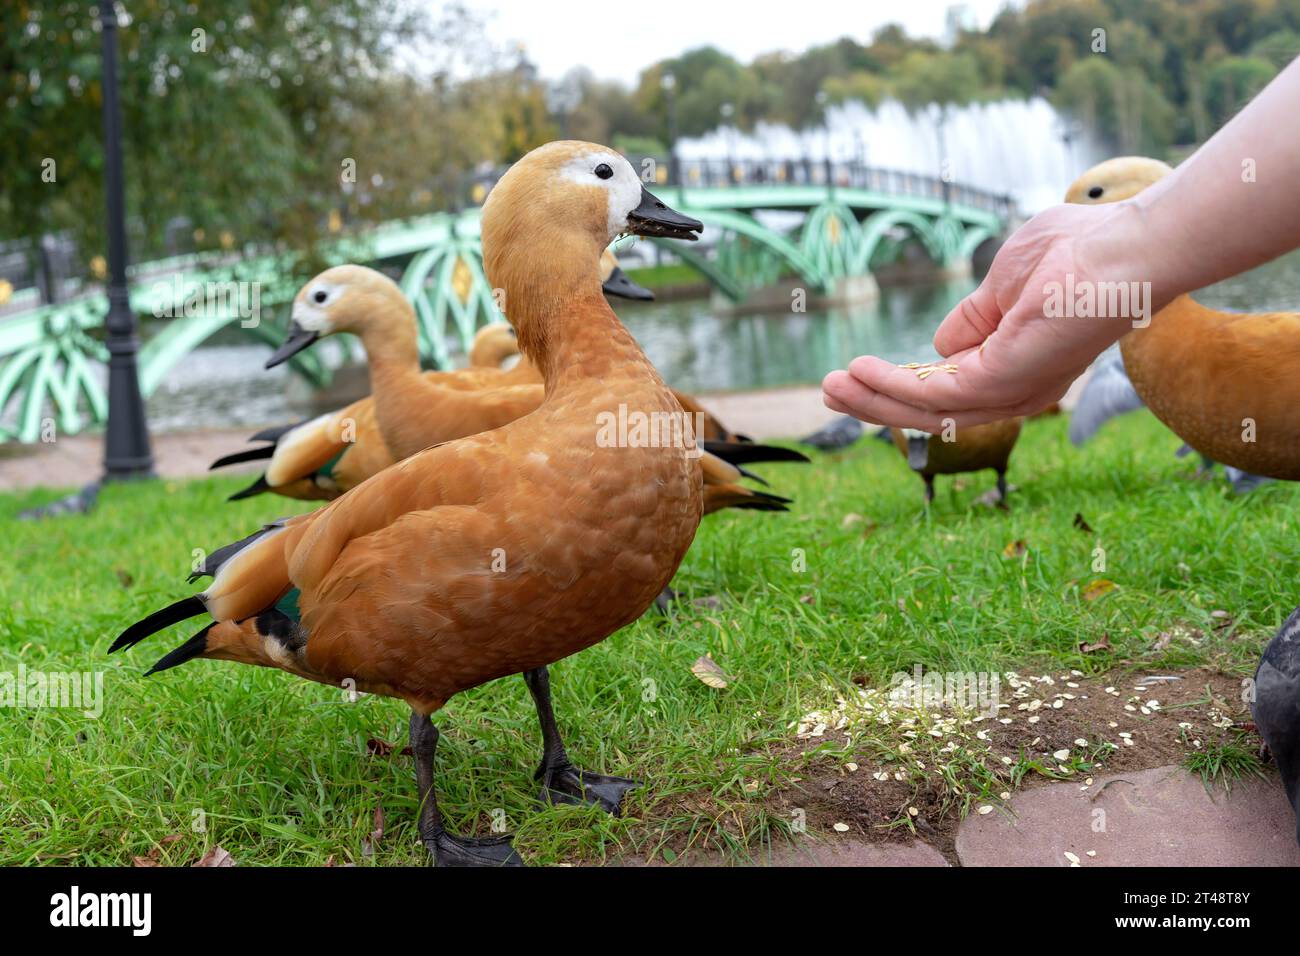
1007, 350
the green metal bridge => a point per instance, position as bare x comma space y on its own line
850, 220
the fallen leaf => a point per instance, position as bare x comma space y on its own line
144, 861
1097, 589
382, 748
1015, 549
217, 856
1097, 646
850, 519
807, 599
376, 835
708, 671
1082, 524
125, 578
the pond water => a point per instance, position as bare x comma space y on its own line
693, 346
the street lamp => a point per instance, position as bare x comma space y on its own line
669, 83
823, 98
727, 110
127, 453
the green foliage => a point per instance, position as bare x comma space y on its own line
1232, 82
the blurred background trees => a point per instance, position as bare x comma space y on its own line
242, 115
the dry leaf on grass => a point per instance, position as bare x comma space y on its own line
708, 672
151, 858
369, 843
377, 747
217, 856
1097, 588
1097, 646
1015, 549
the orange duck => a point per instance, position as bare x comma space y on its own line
411, 410
1223, 382
392, 587
973, 448
495, 343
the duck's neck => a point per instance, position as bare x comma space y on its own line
565, 326
393, 353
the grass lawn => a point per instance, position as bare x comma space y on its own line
278, 771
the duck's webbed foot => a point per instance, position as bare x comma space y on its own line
447, 849
562, 782
565, 783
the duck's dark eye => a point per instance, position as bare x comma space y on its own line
603, 171
1095, 192
321, 295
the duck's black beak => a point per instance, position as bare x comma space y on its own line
652, 218
618, 284
299, 339
918, 452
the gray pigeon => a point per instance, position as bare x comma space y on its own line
1276, 706
1107, 394
841, 433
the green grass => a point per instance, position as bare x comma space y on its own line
661, 277
278, 767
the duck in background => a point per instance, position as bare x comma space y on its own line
1275, 706
1245, 355
392, 586
616, 283
411, 410
973, 448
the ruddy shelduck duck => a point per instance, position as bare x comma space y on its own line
973, 448
393, 587
1223, 382
411, 410
498, 345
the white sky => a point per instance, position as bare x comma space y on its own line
616, 40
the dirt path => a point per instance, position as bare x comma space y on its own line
77, 460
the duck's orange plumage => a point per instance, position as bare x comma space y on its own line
497, 553
1223, 382
397, 585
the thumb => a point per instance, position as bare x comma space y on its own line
970, 322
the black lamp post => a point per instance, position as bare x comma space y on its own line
669, 83
126, 444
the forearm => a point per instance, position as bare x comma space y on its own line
1231, 206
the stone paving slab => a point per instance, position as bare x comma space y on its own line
1158, 817
814, 853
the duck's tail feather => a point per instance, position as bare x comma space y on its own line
743, 453
213, 562
276, 432
191, 649
182, 610
256, 488
718, 497
251, 454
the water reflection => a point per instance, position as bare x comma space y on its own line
697, 349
